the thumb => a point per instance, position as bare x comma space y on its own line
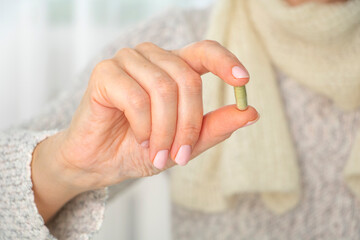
220, 124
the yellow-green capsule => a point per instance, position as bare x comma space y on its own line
241, 97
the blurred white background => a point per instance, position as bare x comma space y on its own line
43, 45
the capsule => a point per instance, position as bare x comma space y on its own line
241, 98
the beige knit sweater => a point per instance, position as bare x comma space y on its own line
322, 133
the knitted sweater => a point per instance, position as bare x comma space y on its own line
322, 133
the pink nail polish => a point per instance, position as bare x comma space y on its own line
145, 144
183, 155
252, 122
161, 158
238, 72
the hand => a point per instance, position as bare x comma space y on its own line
142, 113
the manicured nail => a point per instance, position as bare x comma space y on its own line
252, 122
238, 72
161, 158
145, 144
183, 155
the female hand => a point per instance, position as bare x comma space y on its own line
141, 113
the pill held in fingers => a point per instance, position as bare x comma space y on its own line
241, 98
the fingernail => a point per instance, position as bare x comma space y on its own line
161, 158
183, 155
238, 72
145, 144
252, 122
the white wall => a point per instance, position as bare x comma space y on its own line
43, 45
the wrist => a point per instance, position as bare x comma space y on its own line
53, 183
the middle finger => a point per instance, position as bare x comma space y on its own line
190, 106
163, 97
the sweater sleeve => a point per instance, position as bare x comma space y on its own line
82, 216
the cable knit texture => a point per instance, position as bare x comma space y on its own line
18, 212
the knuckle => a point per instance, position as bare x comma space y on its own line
191, 82
105, 66
165, 87
191, 131
208, 43
125, 52
145, 45
163, 136
163, 57
138, 100
231, 56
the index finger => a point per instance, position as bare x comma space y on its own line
210, 56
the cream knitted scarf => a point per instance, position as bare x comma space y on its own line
317, 45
